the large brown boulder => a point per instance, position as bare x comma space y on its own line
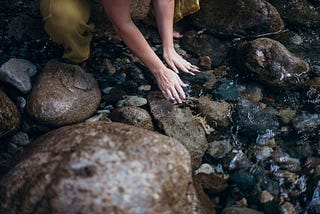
238, 17
272, 63
101, 168
9, 115
63, 94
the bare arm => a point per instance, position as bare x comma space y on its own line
164, 14
168, 81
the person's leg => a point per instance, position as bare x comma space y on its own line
66, 23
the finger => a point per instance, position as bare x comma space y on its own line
173, 67
176, 95
194, 68
181, 93
182, 84
170, 96
164, 94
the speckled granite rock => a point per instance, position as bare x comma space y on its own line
9, 115
101, 168
63, 94
132, 115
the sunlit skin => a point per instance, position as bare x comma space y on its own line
167, 78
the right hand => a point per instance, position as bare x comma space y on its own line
171, 85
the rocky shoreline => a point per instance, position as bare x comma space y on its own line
102, 138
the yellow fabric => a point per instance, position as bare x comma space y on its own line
184, 8
66, 23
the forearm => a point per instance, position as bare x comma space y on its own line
164, 15
133, 38
118, 12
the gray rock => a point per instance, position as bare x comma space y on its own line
179, 123
133, 116
271, 63
219, 148
238, 17
101, 168
18, 72
63, 94
10, 118
21, 139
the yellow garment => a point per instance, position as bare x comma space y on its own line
184, 8
66, 23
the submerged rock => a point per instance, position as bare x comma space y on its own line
271, 63
240, 210
10, 118
306, 122
101, 168
238, 17
63, 94
253, 120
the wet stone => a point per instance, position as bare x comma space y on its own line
179, 123
272, 64
17, 72
218, 149
298, 12
10, 118
240, 210
63, 94
202, 44
229, 90
253, 94
252, 119
239, 18
132, 115
306, 122
217, 113
20, 139
99, 168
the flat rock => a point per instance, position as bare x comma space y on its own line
179, 123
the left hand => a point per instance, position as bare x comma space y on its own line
177, 62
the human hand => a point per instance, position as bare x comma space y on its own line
176, 62
171, 85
